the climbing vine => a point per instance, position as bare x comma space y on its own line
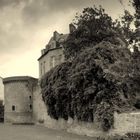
91, 87
100, 74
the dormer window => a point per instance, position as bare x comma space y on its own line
53, 44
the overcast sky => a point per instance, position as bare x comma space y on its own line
27, 25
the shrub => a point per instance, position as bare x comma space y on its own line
95, 84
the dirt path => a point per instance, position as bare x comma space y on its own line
32, 132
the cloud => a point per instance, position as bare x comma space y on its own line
27, 25
21, 39
10, 28
35, 10
5, 3
20, 20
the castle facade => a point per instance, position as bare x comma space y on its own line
22, 94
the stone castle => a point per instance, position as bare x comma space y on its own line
52, 55
19, 91
23, 101
24, 104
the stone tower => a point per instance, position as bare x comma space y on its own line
18, 96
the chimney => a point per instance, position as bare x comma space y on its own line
56, 35
42, 51
72, 28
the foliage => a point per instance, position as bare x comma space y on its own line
100, 74
94, 26
136, 35
128, 136
94, 85
55, 92
136, 4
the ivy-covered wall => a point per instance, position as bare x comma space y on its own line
123, 123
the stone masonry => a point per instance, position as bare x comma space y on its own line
18, 94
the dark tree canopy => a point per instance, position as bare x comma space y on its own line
95, 84
94, 26
100, 75
136, 4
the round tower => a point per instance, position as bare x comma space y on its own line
18, 99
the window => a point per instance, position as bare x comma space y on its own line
41, 71
30, 107
59, 59
52, 61
44, 67
53, 44
30, 97
13, 108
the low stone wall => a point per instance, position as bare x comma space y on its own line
39, 108
127, 122
18, 117
124, 123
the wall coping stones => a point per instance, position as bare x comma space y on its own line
18, 78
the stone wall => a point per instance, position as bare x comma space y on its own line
45, 61
125, 122
1, 89
40, 114
39, 108
73, 126
18, 94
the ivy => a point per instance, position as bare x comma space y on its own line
100, 74
92, 86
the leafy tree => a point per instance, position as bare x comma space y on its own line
136, 35
96, 83
100, 75
94, 26
136, 4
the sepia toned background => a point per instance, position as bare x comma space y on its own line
27, 25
